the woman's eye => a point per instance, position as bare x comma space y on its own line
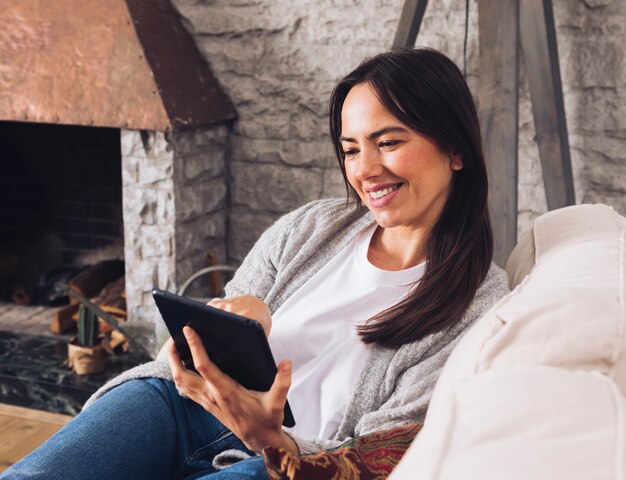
388, 143
350, 152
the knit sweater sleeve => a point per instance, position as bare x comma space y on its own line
257, 272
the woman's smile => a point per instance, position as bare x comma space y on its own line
382, 195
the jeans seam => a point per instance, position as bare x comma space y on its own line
225, 434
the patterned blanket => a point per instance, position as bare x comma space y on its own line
370, 457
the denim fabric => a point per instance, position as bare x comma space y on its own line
141, 429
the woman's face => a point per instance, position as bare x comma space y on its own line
402, 176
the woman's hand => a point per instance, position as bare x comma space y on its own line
254, 417
246, 306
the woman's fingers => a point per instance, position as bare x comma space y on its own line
188, 382
221, 382
173, 358
246, 306
221, 304
277, 395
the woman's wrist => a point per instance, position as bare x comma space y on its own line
282, 440
289, 444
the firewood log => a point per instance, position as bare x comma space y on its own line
92, 280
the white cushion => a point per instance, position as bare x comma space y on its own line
567, 311
540, 423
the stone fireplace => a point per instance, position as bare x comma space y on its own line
114, 134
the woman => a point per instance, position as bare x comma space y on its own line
366, 297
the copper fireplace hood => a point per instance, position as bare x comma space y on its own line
114, 63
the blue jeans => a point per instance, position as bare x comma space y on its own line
141, 429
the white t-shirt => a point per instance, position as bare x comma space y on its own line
315, 328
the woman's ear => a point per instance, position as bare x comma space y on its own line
456, 162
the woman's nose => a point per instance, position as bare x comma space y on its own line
369, 165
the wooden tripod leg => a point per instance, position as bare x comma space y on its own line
541, 58
497, 97
409, 23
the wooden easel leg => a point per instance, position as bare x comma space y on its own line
544, 79
409, 24
498, 23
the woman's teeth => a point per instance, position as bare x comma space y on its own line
385, 191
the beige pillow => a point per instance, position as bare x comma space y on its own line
523, 423
567, 311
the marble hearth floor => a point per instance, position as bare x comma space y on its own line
32, 365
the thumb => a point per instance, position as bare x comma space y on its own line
277, 395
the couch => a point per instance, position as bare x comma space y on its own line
535, 390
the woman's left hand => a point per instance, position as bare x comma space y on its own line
254, 417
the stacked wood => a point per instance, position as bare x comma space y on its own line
104, 284
112, 299
92, 280
62, 320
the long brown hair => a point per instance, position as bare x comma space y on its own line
425, 90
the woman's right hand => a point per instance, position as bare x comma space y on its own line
246, 306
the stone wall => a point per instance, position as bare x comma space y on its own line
279, 59
174, 193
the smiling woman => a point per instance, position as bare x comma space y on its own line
363, 300
406, 134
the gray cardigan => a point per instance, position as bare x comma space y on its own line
395, 385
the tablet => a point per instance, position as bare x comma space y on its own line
237, 345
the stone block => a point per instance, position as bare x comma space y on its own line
307, 125
595, 110
195, 199
156, 240
155, 170
143, 277
132, 244
264, 118
604, 176
326, 27
165, 276
146, 206
594, 63
597, 3
315, 98
130, 143
130, 169
274, 188
197, 140
236, 20
257, 150
207, 164
145, 144
611, 148
195, 236
313, 152
239, 56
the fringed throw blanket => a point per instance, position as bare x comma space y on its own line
370, 457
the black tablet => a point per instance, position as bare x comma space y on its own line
237, 345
